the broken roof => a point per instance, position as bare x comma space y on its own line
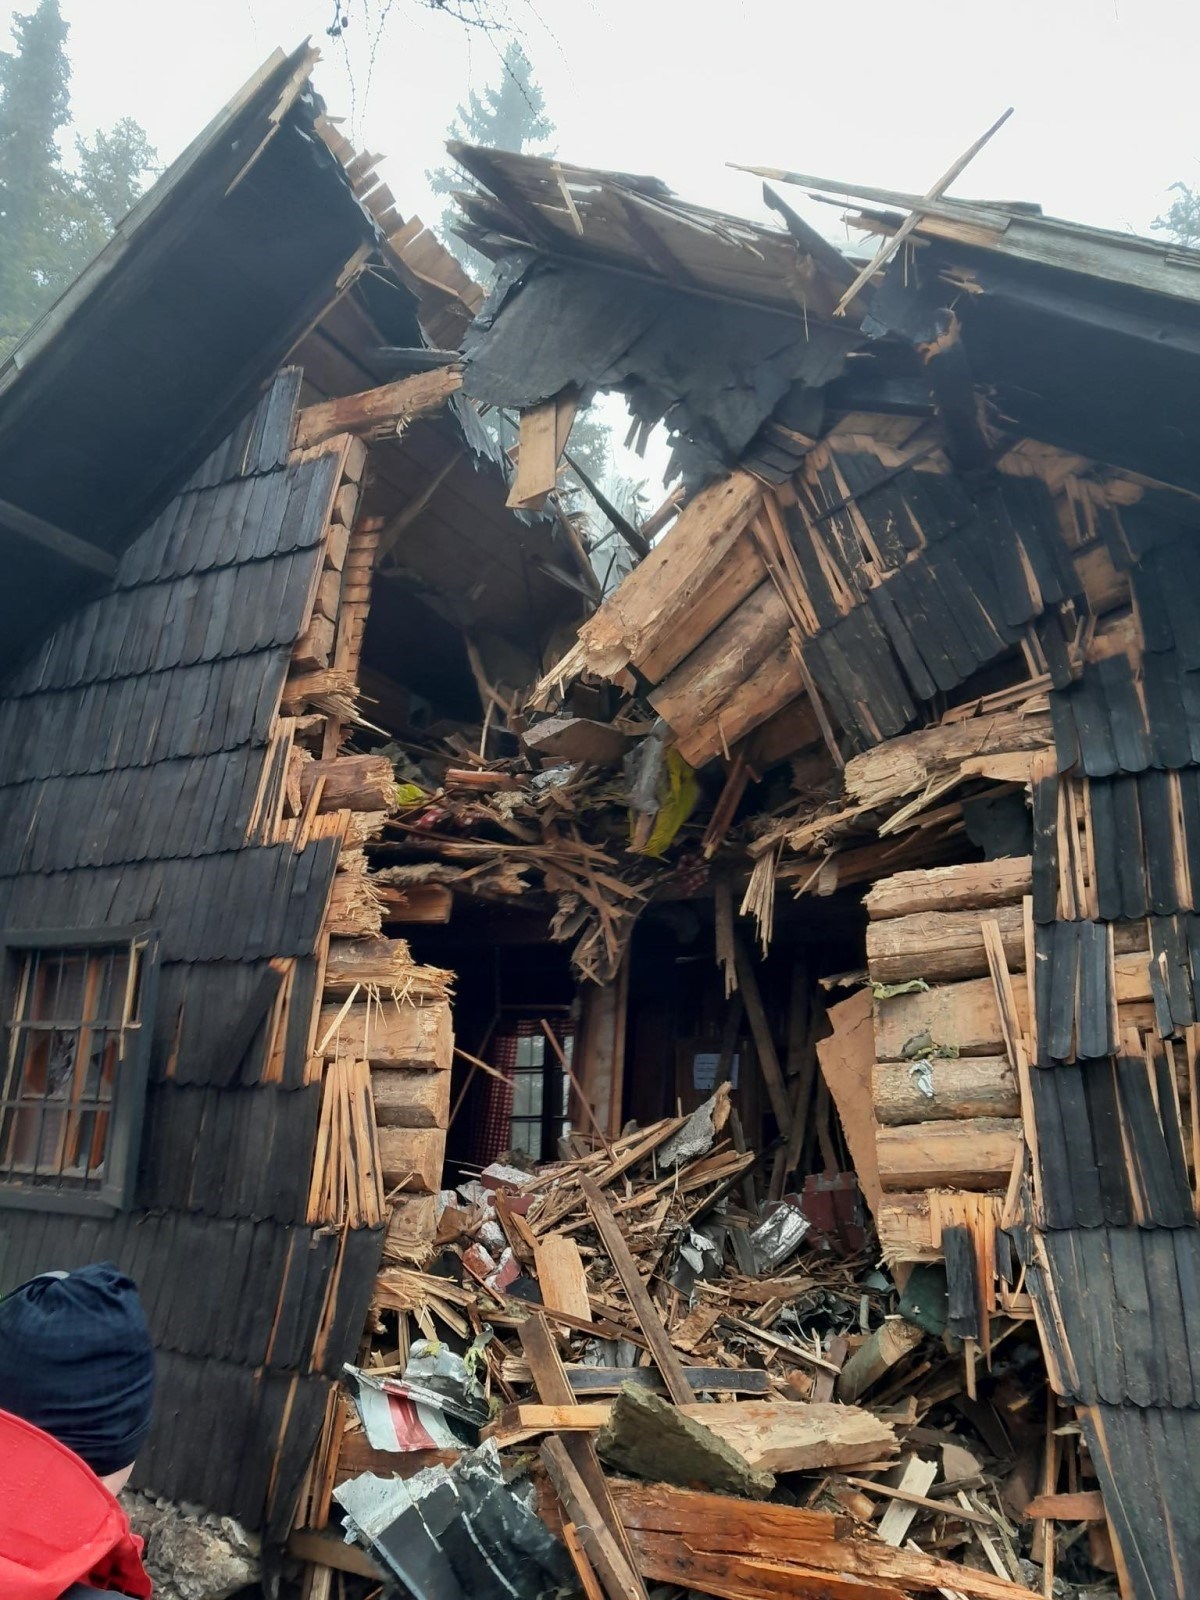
1061, 329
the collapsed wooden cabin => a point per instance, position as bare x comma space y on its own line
398, 932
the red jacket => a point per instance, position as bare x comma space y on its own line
59, 1525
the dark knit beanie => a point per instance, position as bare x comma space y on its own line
77, 1362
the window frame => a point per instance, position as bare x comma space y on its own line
555, 1086
116, 1192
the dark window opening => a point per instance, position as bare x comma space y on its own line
540, 1095
74, 1072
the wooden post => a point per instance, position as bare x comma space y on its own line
601, 1051
764, 1045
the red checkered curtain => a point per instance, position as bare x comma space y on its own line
494, 1123
492, 1133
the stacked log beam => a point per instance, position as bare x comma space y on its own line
947, 1106
946, 1099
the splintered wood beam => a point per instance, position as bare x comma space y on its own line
57, 540
374, 413
644, 1310
554, 1388
753, 1550
618, 1574
890, 246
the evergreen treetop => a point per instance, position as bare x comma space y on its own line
53, 220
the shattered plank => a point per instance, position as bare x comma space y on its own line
619, 1577
650, 1322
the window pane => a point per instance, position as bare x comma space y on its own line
527, 1137
521, 1103
111, 983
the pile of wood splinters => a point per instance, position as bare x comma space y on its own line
713, 1399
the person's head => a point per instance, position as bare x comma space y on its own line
76, 1361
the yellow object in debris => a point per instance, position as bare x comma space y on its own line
678, 792
409, 794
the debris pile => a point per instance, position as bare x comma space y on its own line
622, 1351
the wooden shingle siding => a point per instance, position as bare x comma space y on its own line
133, 744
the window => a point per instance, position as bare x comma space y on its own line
541, 1092
74, 1067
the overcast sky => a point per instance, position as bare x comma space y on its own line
880, 91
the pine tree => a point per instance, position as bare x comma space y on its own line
1182, 217
53, 221
508, 115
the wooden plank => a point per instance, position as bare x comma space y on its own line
806, 1548
517, 1423
651, 1325
975, 1153
847, 1060
908, 1497
779, 681
736, 1577
905, 1495
700, 687
328, 1550
890, 245
1086, 1505
600, 1055
1014, 1029
586, 1381
375, 413
537, 458
561, 1276
584, 1570
550, 1381
653, 604
738, 574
